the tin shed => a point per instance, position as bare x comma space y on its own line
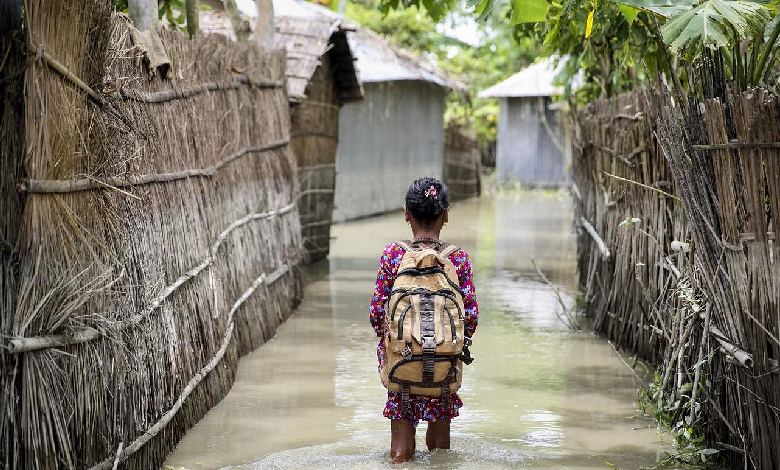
395, 134
533, 146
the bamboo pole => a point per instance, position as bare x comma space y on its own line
171, 95
84, 184
596, 237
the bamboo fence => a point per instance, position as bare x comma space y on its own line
695, 286
462, 166
150, 233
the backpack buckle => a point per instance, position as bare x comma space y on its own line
407, 352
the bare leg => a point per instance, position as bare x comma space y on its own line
402, 440
438, 435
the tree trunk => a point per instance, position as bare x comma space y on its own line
264, 28
193, 9
240, 26
143, 13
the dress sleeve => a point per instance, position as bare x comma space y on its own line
466, 280
388, 266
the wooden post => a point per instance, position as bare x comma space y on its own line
192, 10
264, 28
143, 13
240, 26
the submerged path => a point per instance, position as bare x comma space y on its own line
537, 396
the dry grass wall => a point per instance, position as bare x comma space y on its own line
151, 235
695, 286
315, 134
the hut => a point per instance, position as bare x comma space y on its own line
395, 134
533, 146
321, 77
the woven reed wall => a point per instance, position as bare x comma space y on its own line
462, 166
619, 281
708, 316
154, 241
315, 131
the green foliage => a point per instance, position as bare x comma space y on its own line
173, 11
499, 56
714, 24
621, 44
680, 417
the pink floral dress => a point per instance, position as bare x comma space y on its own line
422, 407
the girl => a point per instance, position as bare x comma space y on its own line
426, 211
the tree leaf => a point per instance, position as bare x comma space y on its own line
529, 11
665, 8
589, 23
712, 23
629, 13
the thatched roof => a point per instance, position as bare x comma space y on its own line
378, 60
307, 32
534, 80
306, 39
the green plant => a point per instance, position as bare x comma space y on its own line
681, 419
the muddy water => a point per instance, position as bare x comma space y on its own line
537, 396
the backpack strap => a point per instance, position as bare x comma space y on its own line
405, 244
449, 250
406, 403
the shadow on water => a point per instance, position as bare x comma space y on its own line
538, 396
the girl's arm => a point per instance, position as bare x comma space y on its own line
466, 281
388, 266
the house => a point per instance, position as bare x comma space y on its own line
395, 135
533, 146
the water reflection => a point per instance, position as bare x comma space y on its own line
537, 396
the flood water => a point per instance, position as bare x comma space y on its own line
537, 396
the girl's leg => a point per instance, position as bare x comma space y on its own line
438, 435
402, 439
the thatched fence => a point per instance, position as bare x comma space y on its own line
150, 232
695, 286
462, 165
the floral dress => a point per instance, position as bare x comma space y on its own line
422, 407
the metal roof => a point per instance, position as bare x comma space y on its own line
534, 80
380, 61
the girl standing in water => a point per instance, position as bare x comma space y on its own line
427, 211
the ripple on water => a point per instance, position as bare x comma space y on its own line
372, 454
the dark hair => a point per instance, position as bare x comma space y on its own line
425, 205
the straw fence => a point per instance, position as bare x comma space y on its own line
150, 233
695, 286
462, 166
315, 131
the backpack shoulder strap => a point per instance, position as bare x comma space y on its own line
405, 244
449, 250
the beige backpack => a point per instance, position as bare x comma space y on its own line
424, 325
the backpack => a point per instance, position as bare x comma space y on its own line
424, 326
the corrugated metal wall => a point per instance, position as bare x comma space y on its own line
392, 137
526, 151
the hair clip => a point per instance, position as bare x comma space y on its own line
430, 192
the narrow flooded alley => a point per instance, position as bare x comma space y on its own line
537, 396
